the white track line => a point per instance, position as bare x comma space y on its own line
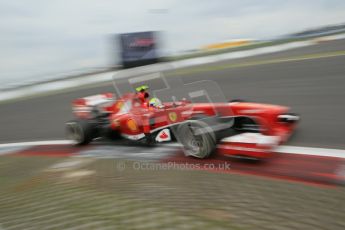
36, 143
326, 152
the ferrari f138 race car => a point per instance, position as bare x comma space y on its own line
235, 128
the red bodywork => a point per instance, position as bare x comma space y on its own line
134, 120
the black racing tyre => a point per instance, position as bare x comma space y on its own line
80, 131
198, 140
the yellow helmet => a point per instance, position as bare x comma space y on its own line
142, 88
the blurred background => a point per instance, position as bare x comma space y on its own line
52, 39
289, 53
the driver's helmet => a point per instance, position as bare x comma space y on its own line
142, 88
155, 102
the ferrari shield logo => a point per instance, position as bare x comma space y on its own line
173, 116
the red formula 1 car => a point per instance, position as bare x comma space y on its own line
235, 128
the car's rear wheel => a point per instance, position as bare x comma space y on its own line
197, 139
80, 131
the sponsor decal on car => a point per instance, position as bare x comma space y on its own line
163, 135
132, 125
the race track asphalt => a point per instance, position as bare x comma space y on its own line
310, 79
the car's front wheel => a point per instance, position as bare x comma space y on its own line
197, 139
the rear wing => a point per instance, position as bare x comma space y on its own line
93, 106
